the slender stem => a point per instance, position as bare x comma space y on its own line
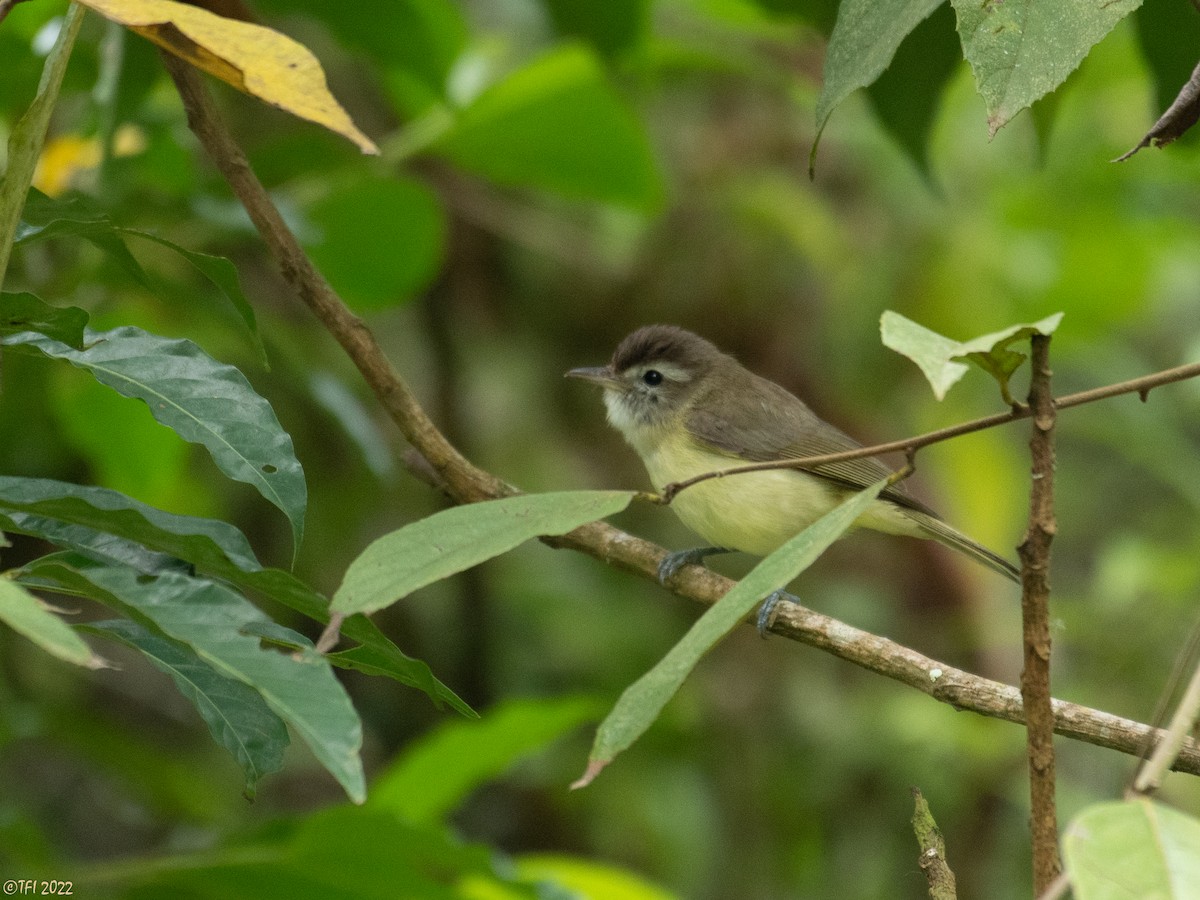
1186, 715
1141, 386
1035, 622
442, 465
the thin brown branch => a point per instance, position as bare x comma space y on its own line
1140, 386
464, 482
933, 851
1035, 622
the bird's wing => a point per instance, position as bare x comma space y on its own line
772, 425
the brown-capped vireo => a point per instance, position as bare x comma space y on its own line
687, 408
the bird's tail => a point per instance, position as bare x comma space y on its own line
944, 534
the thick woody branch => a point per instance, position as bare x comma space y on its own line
463, 482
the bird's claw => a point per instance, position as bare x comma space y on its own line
673, 562
769, 609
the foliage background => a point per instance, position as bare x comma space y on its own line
641, 162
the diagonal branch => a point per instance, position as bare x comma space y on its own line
465, 483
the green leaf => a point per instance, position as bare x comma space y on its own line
27, 615
940, 358
611, 26
1123, 850
557, 124
203, 401
236, 714
110, 527
210, 618
1020, 50
382, 240
46, 217
927, 58
207, 543
436, 774
864, 40
454, 539
588, 878
28, 135
643, 700
25, 312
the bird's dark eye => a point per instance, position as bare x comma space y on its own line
652, 377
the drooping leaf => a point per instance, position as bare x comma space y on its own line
27, 136
26, 312
434, 775
207, 543
1020, 50
256, 60
236, 714
45, 217
27, 615
557, 124
209, 618
111, 527
203, 401
942, 359
864, 40
908, 93
1135, 848
454, 539
643, 700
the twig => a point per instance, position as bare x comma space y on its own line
1140, 386
464, 482
1035, 622
933, 851
1184, 720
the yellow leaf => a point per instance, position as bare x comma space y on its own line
254, 59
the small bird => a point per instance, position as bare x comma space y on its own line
687, 408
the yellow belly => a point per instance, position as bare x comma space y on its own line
758, 511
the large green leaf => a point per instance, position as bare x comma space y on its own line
25, 312
1123, 850
381, 240
1021, 50
207, 543
557, 124
27, 615
454, 539
210, 618
25, 141
643, 700
864, 40
202, 400
238, 717
111, 527
434, 775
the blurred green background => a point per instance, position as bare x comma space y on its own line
555, 174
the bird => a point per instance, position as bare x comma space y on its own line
688, 408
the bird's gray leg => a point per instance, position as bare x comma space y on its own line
673, 562
766, 612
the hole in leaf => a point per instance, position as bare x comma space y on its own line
269, 469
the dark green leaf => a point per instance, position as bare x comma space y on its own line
381, 240
27, 615
454, 539
908, 94
207, 543
642, 701
1021, 50
434, 775
96, 545
203, 401
25, 312
209, 618
557, 124
236, 714
864, 40
610, 26
1169, 34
